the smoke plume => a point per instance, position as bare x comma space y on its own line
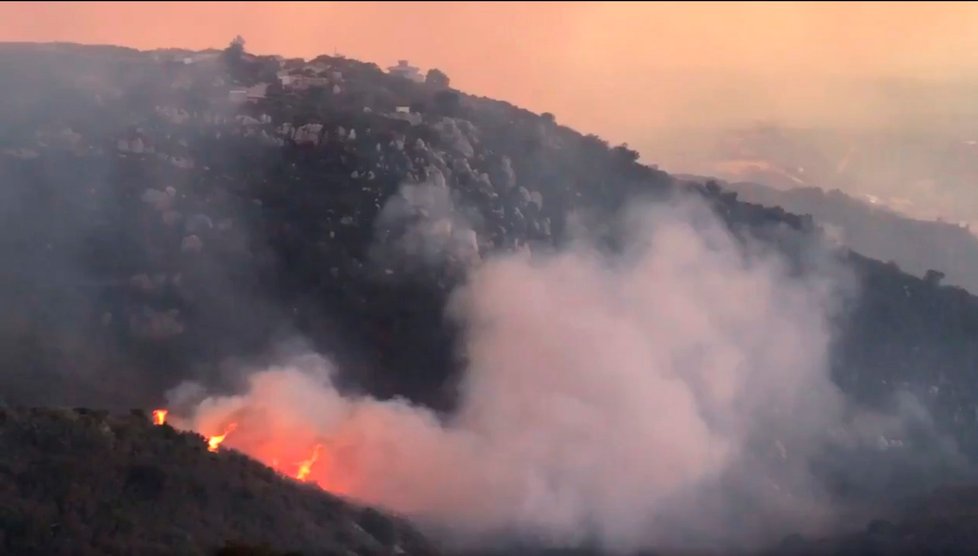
670, 394
422, 226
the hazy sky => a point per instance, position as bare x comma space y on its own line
622, 70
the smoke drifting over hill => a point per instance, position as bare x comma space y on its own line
644, 381
671, 394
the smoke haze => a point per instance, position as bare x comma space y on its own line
423, 225
866, 74
672, 394
675, 392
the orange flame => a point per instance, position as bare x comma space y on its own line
215, 441
159, 416
306, 466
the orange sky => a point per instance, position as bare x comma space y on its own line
622, 70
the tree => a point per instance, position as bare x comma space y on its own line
437, 78
933, 277
447, 103
235, 50
624, 153
548, 118
239, 68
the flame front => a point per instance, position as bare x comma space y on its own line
159, 416
306, 466
215, 441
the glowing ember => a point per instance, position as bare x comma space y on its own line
215, 441
159, 416
306, 466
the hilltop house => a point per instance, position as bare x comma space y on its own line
194, 57
404, 113
257, 92
284, 77
407, 71
251, 94
301, 81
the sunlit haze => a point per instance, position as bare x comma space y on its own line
617, 69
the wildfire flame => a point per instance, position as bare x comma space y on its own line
159, 416
302, 473
215, 441
306, 466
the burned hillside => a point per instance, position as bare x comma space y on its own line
175, 215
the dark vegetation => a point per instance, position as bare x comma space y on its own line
942, 522
154, 229
78, 482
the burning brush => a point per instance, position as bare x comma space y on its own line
214, 443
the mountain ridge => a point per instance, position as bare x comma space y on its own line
194, 231
916, 245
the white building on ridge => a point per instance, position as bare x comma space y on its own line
407, 71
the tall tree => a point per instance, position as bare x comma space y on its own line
437, 78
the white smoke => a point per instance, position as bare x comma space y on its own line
668, 395
422, 224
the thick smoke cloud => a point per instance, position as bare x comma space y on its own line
672, 394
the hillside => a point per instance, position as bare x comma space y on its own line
79, 481
915, 245
86, 482
170, 215
918, 168
942, 522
